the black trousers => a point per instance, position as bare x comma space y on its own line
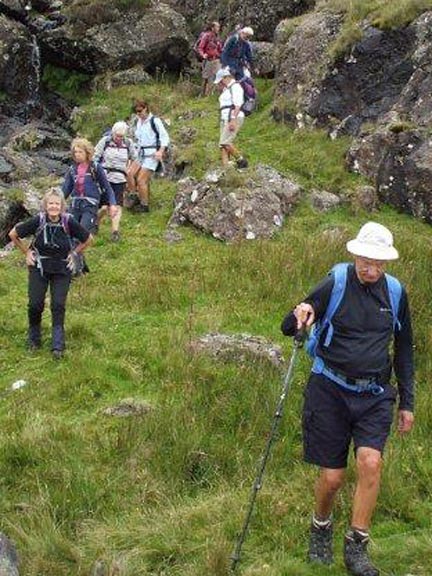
37, 289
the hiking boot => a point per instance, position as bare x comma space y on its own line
57, 354
321, 544
356, 558
141, 208
242, 163
115, 236
34, 338
33, 346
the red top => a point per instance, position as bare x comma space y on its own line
210, 46
81, 172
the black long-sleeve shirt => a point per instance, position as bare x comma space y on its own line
363, 331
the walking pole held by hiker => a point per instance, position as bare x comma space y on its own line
257, 485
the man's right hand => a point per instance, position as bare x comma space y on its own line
305, 315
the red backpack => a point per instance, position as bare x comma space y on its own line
196, 45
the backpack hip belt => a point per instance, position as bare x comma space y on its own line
89, 199
358, 385
40, 259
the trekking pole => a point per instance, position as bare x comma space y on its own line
257, 485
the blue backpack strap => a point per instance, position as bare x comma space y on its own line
395, 293
339, 272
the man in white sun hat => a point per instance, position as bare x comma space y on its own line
231, 116
357, 312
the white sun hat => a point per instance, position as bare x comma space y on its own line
373, 241
222, 73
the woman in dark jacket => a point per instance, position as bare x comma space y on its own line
83, 183
50, 259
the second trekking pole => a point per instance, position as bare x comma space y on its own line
298, 343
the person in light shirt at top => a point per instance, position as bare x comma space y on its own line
152, 141
231, 116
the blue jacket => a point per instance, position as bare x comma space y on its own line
95, 179
236, 53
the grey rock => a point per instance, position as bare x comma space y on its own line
324, 201
238, 347
9, 561
128, 407
230, 206
110, 80
262, 15
156, 38
385, 72
99, 569
400, 165
366, 198
302, 56
5, 166
18, 75
264, 59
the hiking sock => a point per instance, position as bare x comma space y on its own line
321, 541
318, 522
354, 532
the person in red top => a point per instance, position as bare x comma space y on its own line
210, 49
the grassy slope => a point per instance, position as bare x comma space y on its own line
165, 494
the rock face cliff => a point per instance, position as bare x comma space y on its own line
379, 91
158, 37
262, 15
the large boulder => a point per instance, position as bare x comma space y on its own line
400, 164
264, 59
364, 83
12, 210
302, 55
231, 206
156, 38
262, 15
19, 68
415, 100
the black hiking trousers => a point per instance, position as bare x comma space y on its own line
37, 289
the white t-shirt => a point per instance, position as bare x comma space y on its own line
231, 95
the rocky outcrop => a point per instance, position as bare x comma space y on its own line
158, 38
237, 347
386, 71
303, 57
264, 59
18, 72
231, 206
415, 100
324, 201
109, 80
33, 149
400, 164
262, 15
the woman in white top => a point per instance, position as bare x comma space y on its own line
230, 105
152, 140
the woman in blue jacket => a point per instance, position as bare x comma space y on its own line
84, 182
